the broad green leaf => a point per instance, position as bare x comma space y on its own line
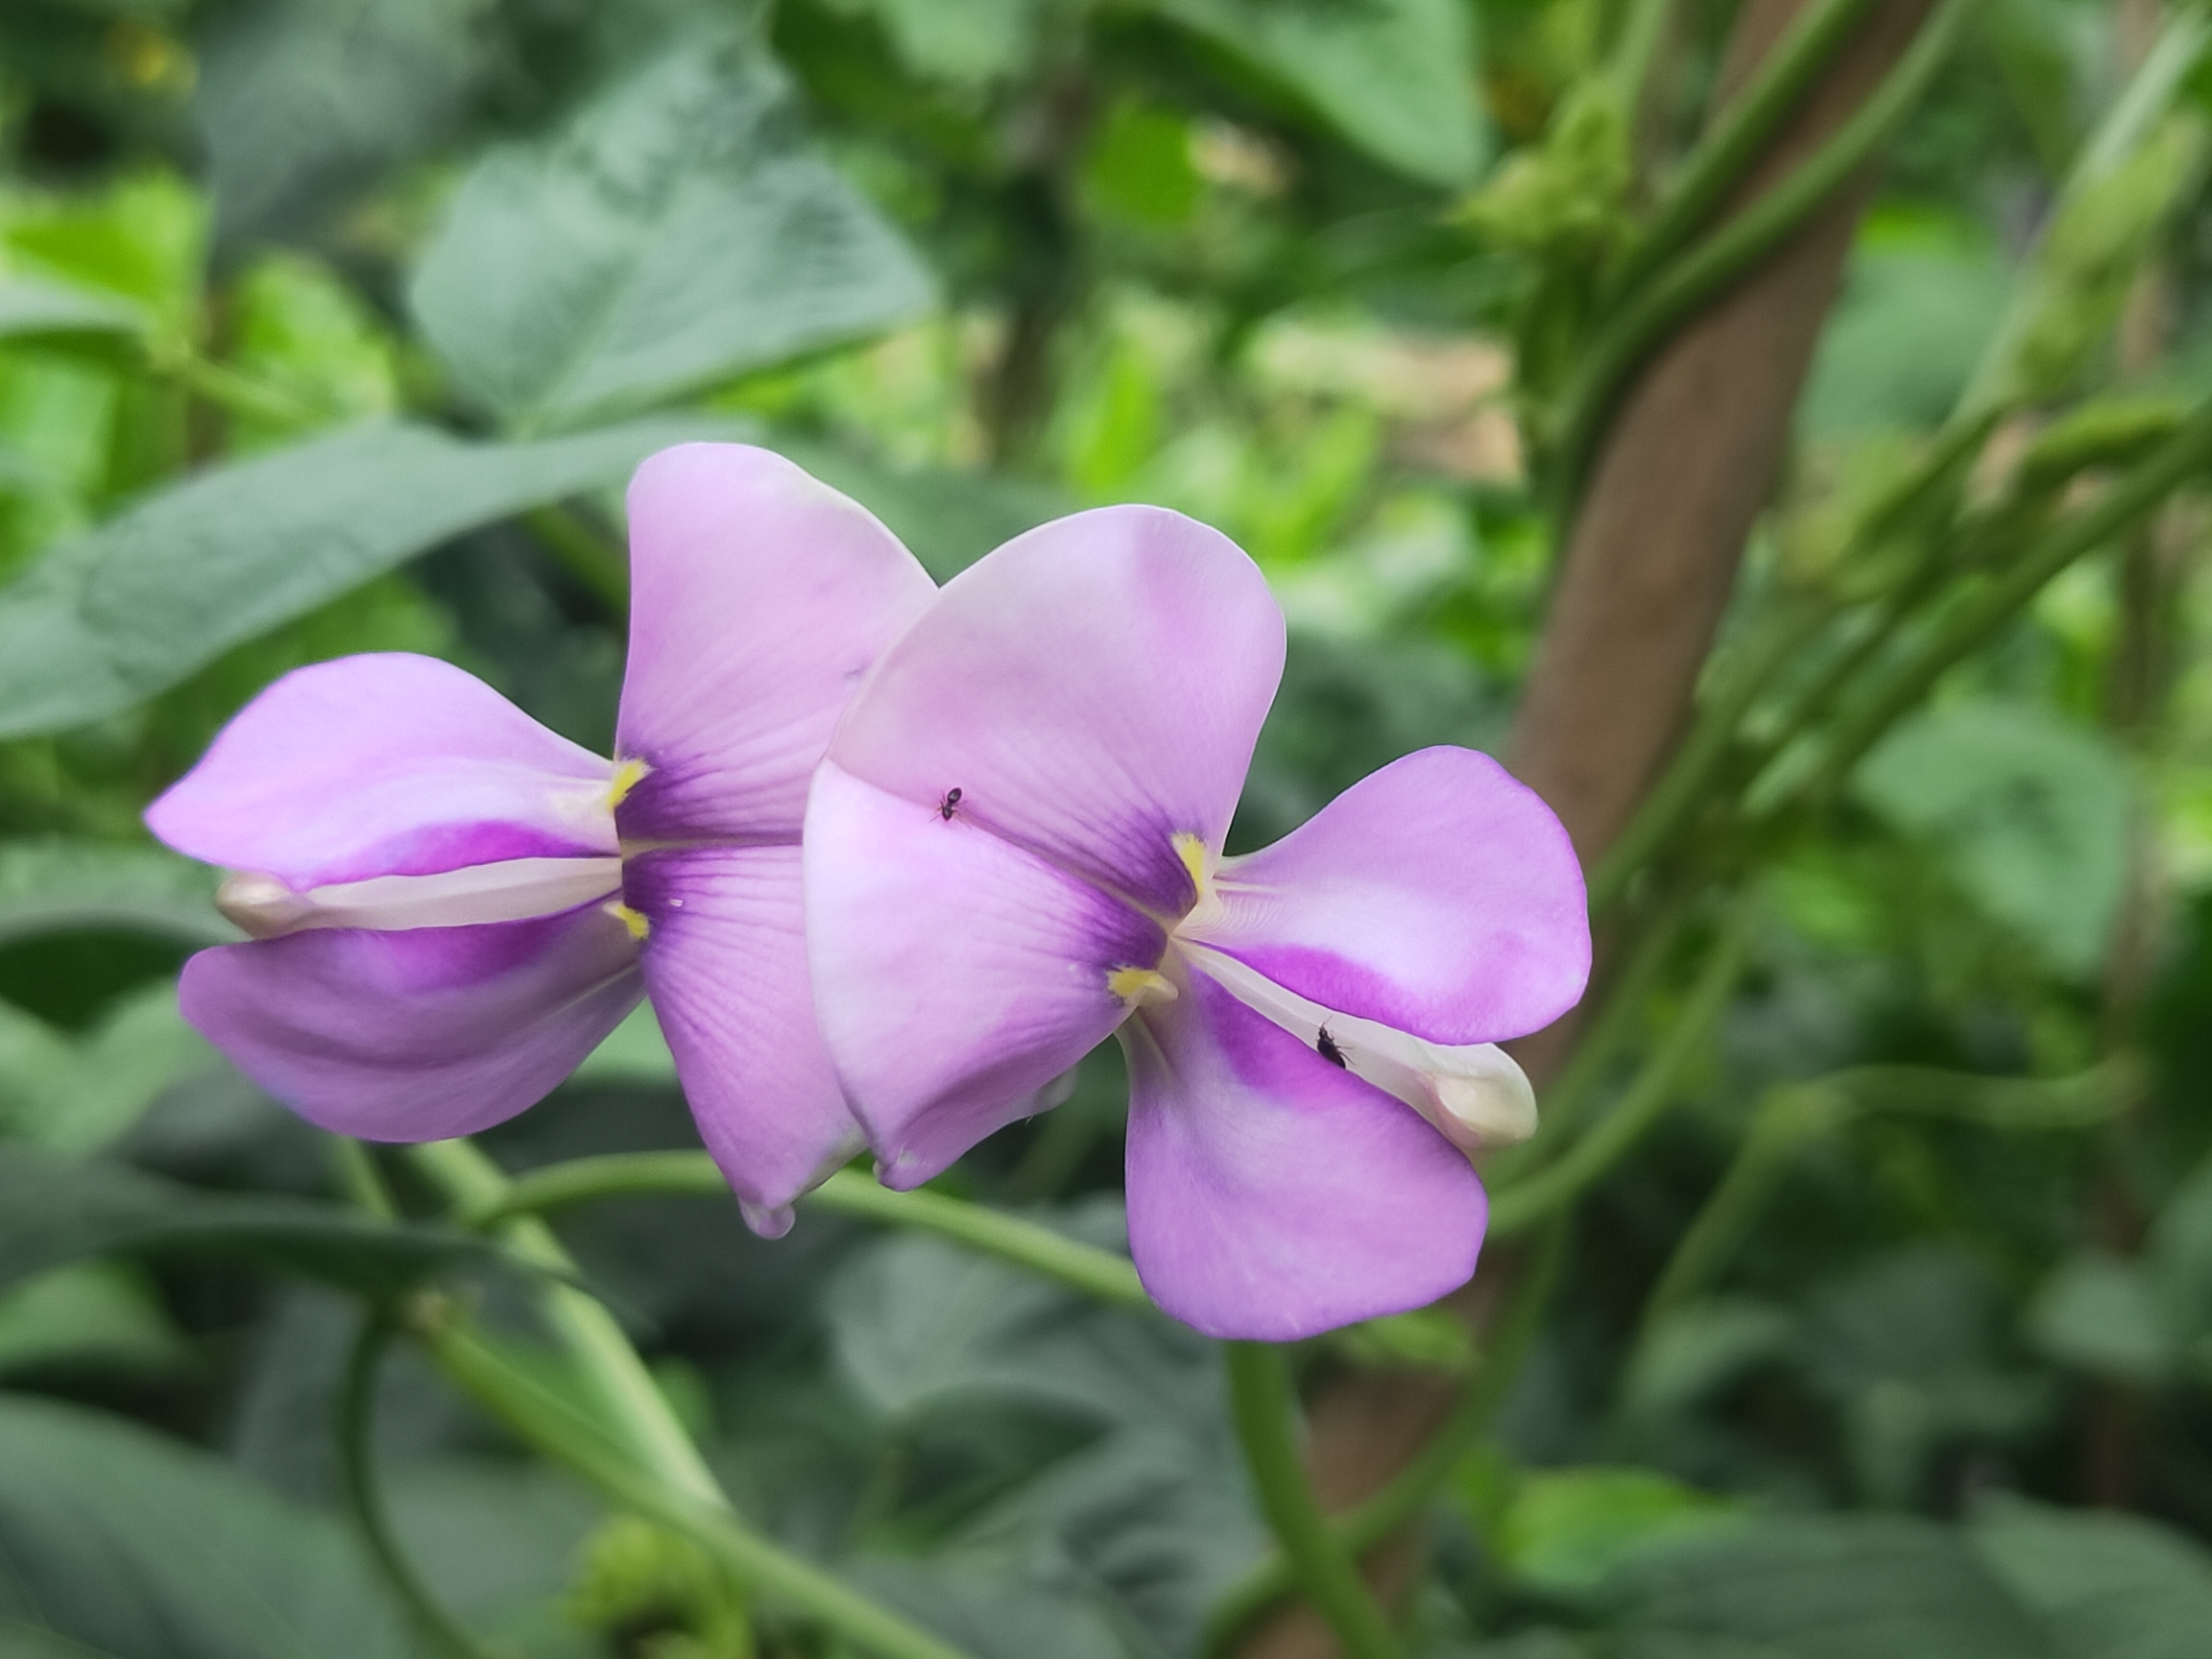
56, 884
89, 1314
301, 100
1920, 303
635, 1051
1821, 1587
965, 43
116, 1543
53, 1211
2030, 812
2103, 1314
2107, 1586
142, 240
1395, 76
990, 1610
75, 1094
949, 518
34, 305
1566, 1530
135, 605
677, 232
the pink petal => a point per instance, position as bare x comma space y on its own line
757, 598
1272, 1195
420, 1035
384, 765
726, 965
1093, 690
955, 973
1437, 896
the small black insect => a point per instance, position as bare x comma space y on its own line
1328, 1048
949, 805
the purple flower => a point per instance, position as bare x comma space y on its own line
451, 906
1014, 848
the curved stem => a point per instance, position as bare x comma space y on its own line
2187, 452
357, 1461
1084, 1267
1266, 1411
549, 1423
1648, 1095
1743, 129
1696, 279
1366, 1526
610, 1366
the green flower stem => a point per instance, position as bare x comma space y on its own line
550, 1424
1611, 1010
1084, 1267
1265, 1410
1648, 1096
1741, 130
632, 1404
585, 554
228, 389
357, 1461
2180, 458
1691, 281
1368, 1524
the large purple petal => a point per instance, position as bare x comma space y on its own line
1093, 690
726, 965
955, 973
1437, 896
388, 765
420, 1035
1272, 1195
757, 598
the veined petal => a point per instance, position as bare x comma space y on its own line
1474, 1093
955, 973
757, 598
1439, 896
1093, 690
388, 764
415, 1036
725, 962
1271, 1195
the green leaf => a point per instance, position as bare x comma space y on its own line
300, 101
2103, 1314
33, 306
1394, 77
1566, 1530
89, 1314
1821, 1587
1919, 305
58, 885
118, 1543
2030, 812
2107, 1586
133, 608
53, 1211
965, 43
76, 1094
677, 232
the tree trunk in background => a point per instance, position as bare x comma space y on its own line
1685, 470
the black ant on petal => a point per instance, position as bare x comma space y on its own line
949, 805
1328, 1047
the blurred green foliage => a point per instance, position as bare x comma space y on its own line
330, 325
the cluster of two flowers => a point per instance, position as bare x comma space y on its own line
887, 860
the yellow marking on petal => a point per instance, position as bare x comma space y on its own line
627, 775
1192, 849
635, 920
1139, 986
